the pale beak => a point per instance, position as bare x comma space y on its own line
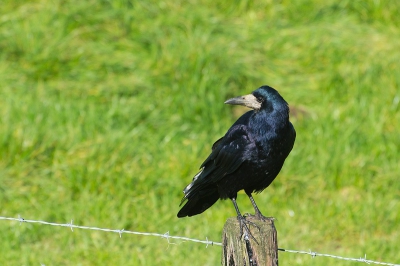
248, 100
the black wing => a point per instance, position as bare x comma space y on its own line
228, 154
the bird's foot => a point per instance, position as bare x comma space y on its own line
262, 217
259, 216
243, 223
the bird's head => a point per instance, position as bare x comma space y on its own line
264, 97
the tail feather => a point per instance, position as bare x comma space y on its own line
199, 201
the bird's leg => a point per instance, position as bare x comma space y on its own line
243, 222
257, 211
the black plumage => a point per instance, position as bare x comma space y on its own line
248, 157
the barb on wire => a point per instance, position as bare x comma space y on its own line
207, 242
70, 225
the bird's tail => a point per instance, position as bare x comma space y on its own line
199, 200
199, 195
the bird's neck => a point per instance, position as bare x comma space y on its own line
268, 124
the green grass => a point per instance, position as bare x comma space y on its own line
108, 108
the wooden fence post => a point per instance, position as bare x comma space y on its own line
236, 251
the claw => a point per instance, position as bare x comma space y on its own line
262, 217
243, 224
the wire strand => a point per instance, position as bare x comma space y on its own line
206, 242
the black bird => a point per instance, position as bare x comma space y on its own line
248, 157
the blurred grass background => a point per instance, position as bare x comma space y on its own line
108, 108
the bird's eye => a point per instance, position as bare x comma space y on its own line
260, 99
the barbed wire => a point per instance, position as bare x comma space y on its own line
206, 242
119, 231
315, 254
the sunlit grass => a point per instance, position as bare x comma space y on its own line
108, 108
